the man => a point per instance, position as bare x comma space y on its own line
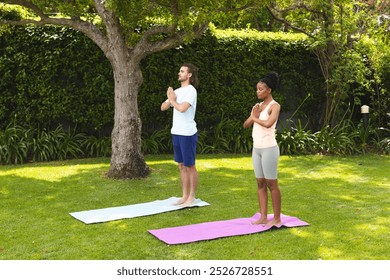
184, 131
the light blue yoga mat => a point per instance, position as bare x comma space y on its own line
132, 211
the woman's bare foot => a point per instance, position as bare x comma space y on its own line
261, 221
274, 222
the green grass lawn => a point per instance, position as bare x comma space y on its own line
346, 200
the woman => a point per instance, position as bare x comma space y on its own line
265, 153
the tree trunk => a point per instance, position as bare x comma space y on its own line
127, 160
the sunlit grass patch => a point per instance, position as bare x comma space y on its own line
344, 199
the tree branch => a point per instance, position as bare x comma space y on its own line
112, 24
287, 23
27, 4
145, 46
89, 29
299, 7
230, 7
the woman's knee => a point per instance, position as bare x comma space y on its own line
272, 184
261, 183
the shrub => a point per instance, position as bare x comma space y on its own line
93, 146
295, 140
157, 142
14, 144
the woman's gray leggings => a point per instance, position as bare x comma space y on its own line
265, 162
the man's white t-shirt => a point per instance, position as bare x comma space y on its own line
184, 123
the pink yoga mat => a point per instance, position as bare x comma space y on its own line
217, 229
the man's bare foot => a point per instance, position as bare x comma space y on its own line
261, 221
274, 222
188, 202
180, 201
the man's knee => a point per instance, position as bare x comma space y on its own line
181, 166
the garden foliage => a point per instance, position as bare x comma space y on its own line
58, 76
56, 95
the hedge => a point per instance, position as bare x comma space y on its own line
54, 75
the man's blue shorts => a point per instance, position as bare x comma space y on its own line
184, 149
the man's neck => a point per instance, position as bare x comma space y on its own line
185, 83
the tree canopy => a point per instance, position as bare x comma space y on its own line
335, 28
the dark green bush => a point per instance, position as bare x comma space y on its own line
19, 145
14, 144
51, 76
55, 80
54, 75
